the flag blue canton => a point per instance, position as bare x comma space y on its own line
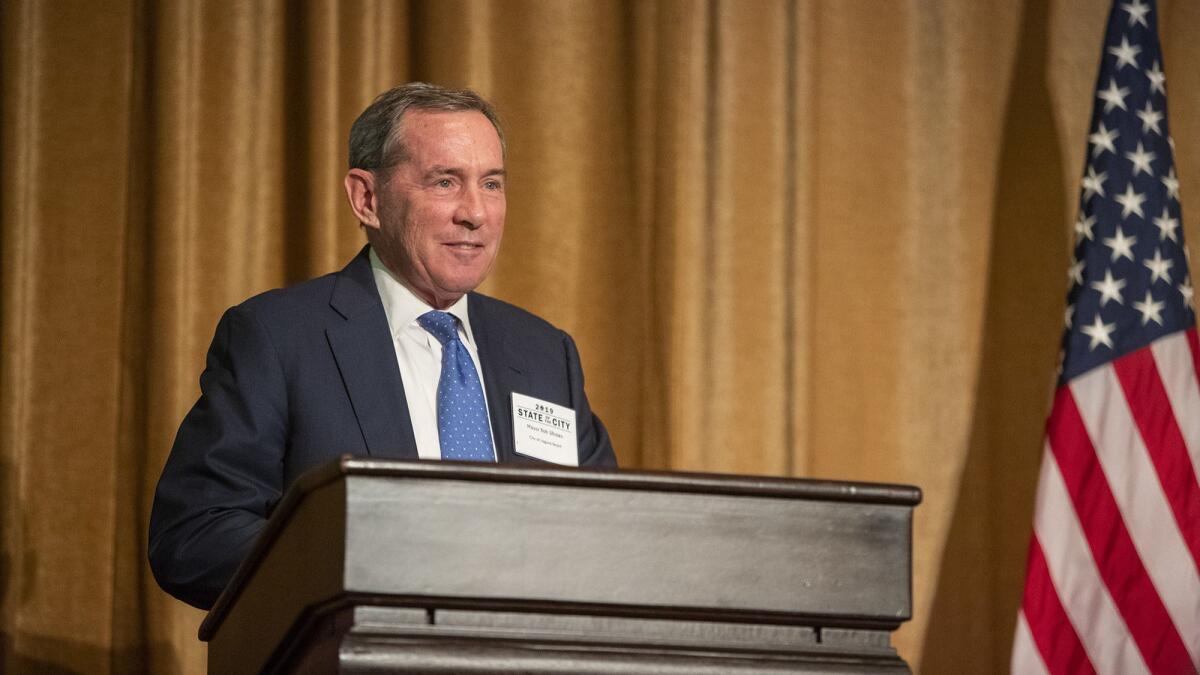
1129, 283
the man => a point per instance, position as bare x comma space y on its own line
395, 356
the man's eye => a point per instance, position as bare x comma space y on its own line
493, 185
444, 183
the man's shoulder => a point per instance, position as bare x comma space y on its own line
296, 319
297, 301
343, 293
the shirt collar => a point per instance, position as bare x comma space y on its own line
402, 306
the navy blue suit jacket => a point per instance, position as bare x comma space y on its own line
296, 377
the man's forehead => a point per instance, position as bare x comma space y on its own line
446, 136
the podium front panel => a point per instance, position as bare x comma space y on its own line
676, 552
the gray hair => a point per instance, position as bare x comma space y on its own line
375, 141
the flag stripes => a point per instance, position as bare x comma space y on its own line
1083, 468
1194, 345
1174, 358
1151, 410
1081, 591
1101, 503
1047, 620
1026, 658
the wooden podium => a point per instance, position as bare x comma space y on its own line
372, 566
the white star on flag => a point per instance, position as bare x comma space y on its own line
1158, 79
1110, 288
1126, 54
1172, 184
1093, 183
1150, 119
1131, 202
1103, 139
1122, 246
1167, 226
1075, 274
1159, 269
1099, 332
1083, 227
1150, 310
1141, 160
1113, 97
1137, 12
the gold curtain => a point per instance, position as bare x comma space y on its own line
810, 238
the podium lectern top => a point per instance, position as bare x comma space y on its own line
673, 546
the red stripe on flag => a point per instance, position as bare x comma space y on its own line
1151, 408
1056, 639
1194, 343
1116, 557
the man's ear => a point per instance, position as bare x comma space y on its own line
364, 200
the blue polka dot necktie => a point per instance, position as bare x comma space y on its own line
462, 415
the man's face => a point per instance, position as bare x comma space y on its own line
441, 210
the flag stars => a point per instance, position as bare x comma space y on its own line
1150, 309
1166, 226
1158, 79
1141, 160
1137, 12
1093, 183
1131, 202
1103, 139
1170, 182
1075, 274
1128, 274
1160, 270
1150, 119
1122, 246
1126, 54
1100, 333
1110, 288
1113, 97
1083, 227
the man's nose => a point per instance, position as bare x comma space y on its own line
471, 213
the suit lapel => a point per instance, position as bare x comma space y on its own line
504, 372
366, 358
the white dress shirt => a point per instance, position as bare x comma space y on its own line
419, 355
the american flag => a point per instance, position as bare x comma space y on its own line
1112, 582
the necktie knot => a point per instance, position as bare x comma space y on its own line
442, 325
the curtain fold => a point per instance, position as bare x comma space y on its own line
791, 237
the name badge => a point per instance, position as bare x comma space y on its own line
544, 431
